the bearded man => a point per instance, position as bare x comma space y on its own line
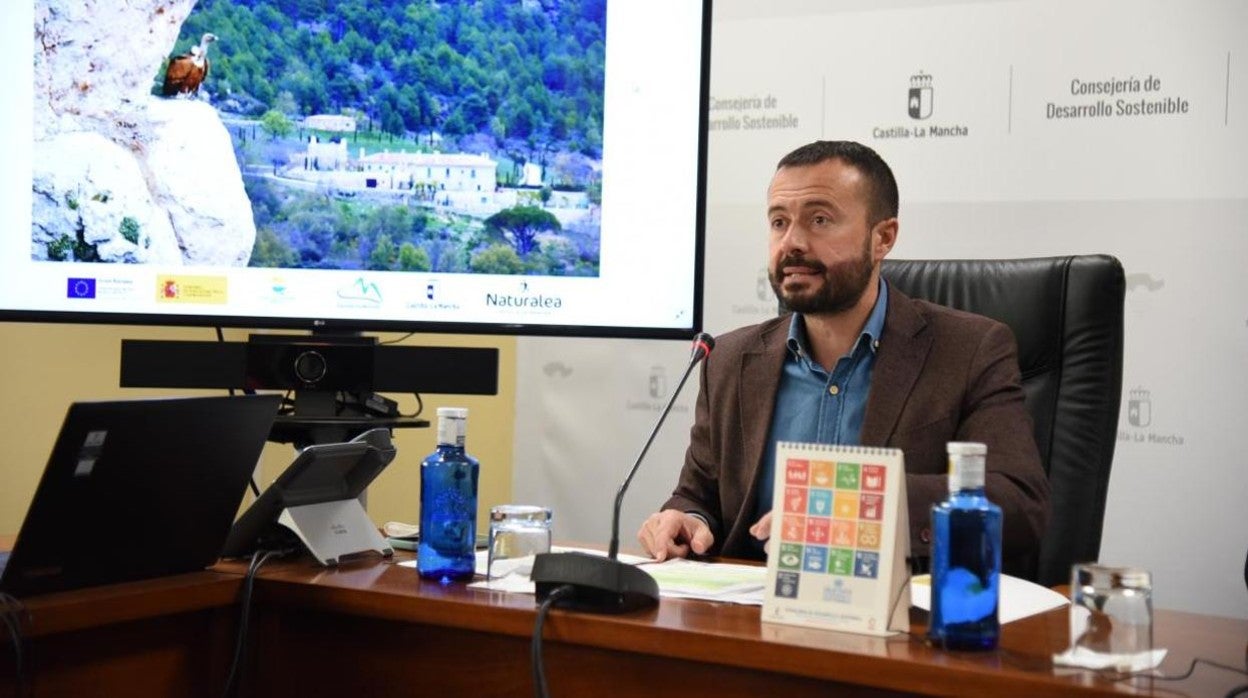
853, 362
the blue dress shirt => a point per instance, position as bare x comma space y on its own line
814, 406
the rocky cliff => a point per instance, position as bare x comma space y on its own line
121, 175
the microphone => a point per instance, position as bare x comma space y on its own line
604, 584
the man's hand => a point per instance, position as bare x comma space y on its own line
762, 528
762, 531
672, 533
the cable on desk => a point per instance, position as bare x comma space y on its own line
235, 679
13, 613
892, 609
908, 635
396, 341
1191, 668
539, 670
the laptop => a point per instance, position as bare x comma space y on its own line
136, 489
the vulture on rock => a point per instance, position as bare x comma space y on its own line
187, 71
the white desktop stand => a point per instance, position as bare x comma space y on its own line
334, 529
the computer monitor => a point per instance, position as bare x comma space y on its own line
465, 166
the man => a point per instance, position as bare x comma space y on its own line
856, 362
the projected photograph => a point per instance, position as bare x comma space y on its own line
457, 136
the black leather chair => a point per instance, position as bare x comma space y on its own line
1066, 313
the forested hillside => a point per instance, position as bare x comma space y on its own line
513, 69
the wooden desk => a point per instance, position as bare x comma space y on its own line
377, 629
372, 628
162, 637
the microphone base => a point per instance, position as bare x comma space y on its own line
602, 585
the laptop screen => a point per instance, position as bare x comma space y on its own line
136, 489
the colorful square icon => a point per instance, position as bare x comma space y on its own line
796, 471
866, 564
815, 559
871, 506
790, 557
845, 504
869, 535
795, 500
847, 476
822, 473
820, 503
787, 584
841, 561
793, 528
818, 530
873, 478
844, 532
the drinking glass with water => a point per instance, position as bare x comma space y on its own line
517, 533
1111, 614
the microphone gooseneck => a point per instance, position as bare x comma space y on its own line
702, 345
605, 584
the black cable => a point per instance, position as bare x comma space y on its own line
420, 407
288, 405
1115, 675
539, 670
892, 609
235, 678
400, 339
12, 612
221, 338
907, 635
1148, 674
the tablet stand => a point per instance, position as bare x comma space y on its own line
331, 530
317, 500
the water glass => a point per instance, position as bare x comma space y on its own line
517, 533
1111, 613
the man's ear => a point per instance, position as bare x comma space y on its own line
883, 237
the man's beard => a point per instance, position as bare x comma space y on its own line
843, 284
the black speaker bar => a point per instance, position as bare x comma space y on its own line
173, 364
308, 364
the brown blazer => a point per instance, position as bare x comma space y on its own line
940, 375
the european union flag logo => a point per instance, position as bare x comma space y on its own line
80, 288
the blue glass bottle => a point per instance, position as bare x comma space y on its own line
448, 503
966, 557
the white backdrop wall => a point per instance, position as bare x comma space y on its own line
985, 170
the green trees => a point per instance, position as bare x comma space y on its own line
384, 254
276, 124
319, 232
270, 251
520, 225
519, 81
413, 258
497, 259
496, 66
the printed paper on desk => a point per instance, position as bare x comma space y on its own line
839, 539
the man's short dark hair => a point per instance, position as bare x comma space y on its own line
883, 203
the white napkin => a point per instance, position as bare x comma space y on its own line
1087, 659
